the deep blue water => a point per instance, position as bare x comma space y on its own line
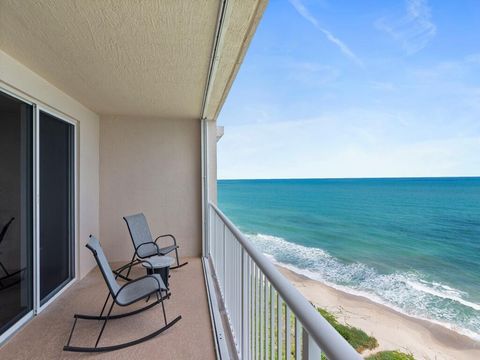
412, 244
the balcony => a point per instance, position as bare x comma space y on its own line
190, 338
255, 312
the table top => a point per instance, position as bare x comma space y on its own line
159, 262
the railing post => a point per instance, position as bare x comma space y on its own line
310, 349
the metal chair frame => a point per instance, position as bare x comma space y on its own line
137, 257
109, 316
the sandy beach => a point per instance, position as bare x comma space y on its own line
393, 330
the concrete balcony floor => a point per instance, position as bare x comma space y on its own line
190, 338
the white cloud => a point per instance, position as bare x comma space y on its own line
322, 148
414, 30
305, 13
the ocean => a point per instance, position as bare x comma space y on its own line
412, 244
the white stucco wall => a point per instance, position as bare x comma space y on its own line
19, 79
150, 165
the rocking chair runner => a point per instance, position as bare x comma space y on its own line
144, 244
129, 293
9, 277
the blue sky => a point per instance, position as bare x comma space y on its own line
350, 88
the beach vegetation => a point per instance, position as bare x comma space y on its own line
390, 355
356, 337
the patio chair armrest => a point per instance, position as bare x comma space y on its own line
143, 262
147, 243
121, 269
167, 235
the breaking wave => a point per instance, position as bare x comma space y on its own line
406, 292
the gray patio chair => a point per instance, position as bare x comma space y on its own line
131, 292
144, 245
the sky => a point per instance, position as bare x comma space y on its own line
346, 88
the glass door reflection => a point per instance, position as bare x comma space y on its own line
16, 275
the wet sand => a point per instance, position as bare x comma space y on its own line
393, 330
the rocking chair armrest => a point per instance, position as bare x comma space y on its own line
167, 235
131, 265
147, 243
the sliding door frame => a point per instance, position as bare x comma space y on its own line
38, 306
28, 316
37, 107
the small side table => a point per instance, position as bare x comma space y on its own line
160, 265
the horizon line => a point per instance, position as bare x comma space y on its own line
359, 178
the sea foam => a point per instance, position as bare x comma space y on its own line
407, 292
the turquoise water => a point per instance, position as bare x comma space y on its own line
411, 244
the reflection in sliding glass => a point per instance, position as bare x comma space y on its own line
16, 299
56, 204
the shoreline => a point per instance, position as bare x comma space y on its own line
392, 329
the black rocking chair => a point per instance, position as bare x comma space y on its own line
129, 293
144, 244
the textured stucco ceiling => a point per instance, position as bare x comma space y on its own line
143, 58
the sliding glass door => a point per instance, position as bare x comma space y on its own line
56, 204
37, 193
16, 210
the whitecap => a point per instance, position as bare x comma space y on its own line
409, 293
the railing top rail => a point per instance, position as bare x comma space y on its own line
327, 338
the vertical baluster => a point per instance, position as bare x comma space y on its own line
252, 322
231, 287
216, 240
272, 322
215, 247
235, 290
236, 298
239, 285
218, 264
298, 339
224, 256
266, 333
215, 256
255, 315
288, 337
231, 265
259, 311
245, 297
310, 349
226, 283
260, 318
254, 318
238, 291
279, 326
217, 253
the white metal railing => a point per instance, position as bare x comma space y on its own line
268, 317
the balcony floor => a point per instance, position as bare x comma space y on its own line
190, 338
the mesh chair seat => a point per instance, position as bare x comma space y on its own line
139, 289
